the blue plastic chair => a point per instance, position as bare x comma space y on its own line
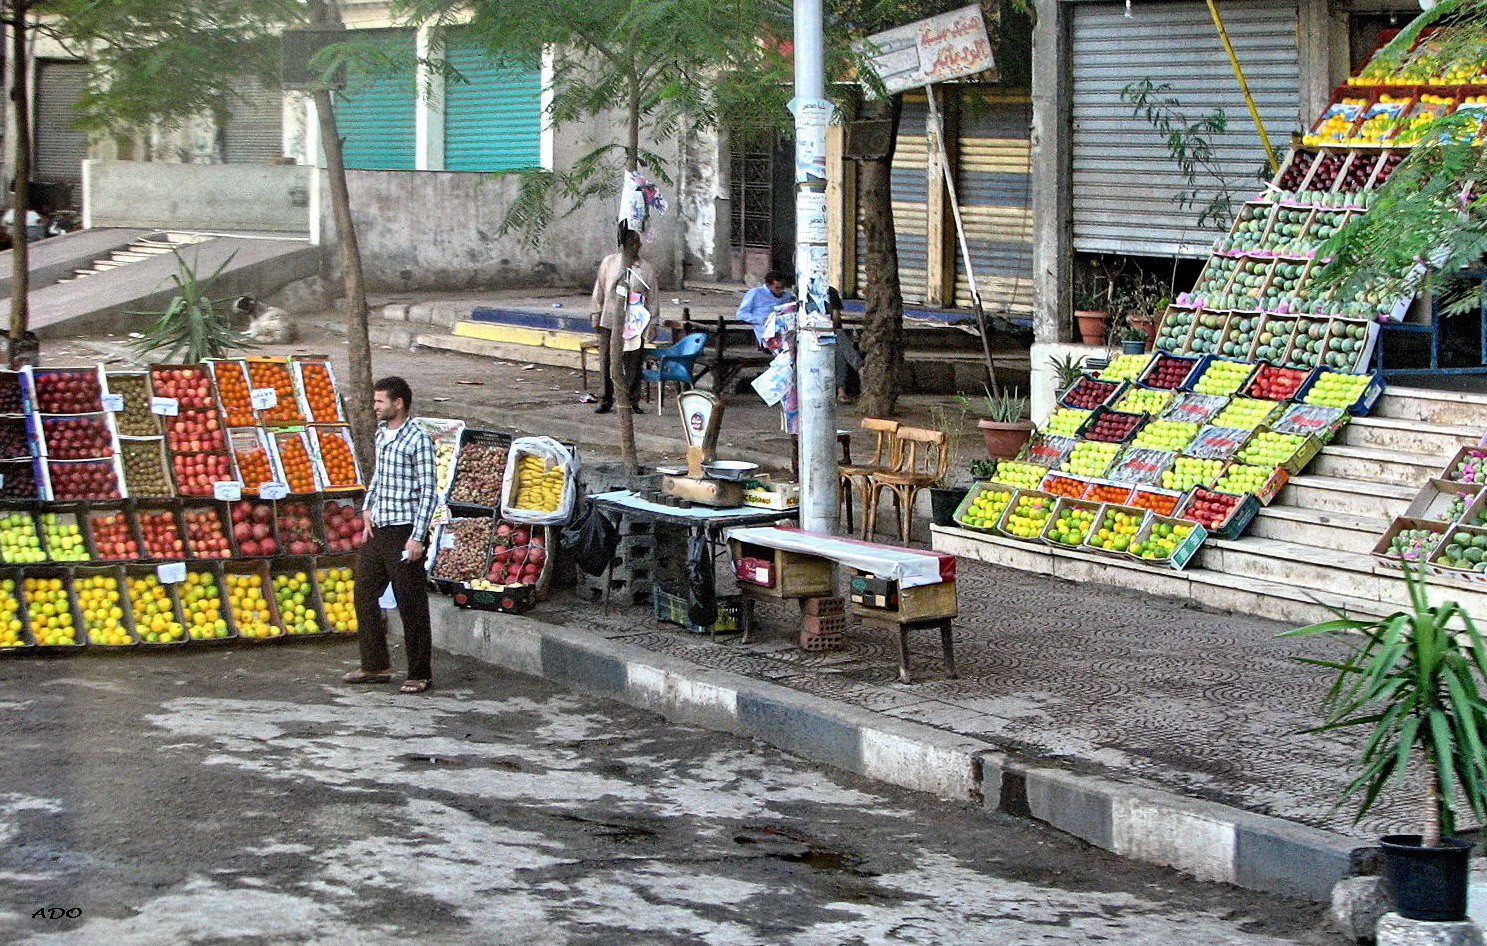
675, 362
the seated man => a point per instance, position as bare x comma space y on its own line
761, 300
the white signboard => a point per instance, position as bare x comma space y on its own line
949, 46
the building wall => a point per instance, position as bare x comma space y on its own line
212, 197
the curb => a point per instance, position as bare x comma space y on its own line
1213, 842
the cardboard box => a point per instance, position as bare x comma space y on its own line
1389, 558
768, 495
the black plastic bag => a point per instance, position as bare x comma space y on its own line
702, 592
590, 540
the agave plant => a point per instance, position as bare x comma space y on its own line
194, 326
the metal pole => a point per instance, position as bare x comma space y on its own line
1249, 100
815, 367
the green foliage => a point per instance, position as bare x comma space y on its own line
194, 326
1413, 681
1005, 408
1189, 139
1068, 367
983, 469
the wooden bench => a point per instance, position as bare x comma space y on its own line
731, 350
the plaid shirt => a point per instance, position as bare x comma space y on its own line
402, 490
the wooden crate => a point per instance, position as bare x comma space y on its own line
789, 574
922, 603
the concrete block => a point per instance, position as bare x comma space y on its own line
421, 312
915, 758
1395, 930
1165, 829
687, 693
1074, 804
799, 725
1358, 903
596, 672
395, 312
506, 639
1288, 858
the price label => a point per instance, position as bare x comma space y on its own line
171, 573
446, 540
165, 406
113, 403
264, 399
273, 491
228, 491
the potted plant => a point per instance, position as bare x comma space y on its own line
983, 469
1132, 340
1066, 369
1005, 428
945, 495
1415, 682
1092, 310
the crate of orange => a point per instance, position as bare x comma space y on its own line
1163, 502
275, 374
337, 457
253, 455
234, 392
302, 471
1117, 493
320, 395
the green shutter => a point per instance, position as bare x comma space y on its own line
493, 119
375, 115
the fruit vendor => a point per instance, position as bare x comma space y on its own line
398, 511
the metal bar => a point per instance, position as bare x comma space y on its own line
1249, 100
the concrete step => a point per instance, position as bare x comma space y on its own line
1376, 465
1334, 494
1335, 530
1433, 407
1288, 563
1407, 436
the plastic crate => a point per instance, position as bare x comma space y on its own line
671, 606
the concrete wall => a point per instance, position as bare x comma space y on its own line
214, 197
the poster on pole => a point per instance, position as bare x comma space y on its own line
812, 116
949, 46
811, 285
810, 216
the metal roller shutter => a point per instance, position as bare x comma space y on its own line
493, 119
375, 115
995, 192
254, 132
910, 182
59, 147
1124, 177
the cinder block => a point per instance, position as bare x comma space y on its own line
395, 313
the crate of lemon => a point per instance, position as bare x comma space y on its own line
300, 609
250, 603
1166, 541
13, 632
153, 605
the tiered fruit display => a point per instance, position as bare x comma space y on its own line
296, 528
478, 474
1021, 475
1464, 550
249, 608
1109, 493
1116, 530
67, 392
295, 596
985, 510
63, 538
15, 443
195, 431
337, 587
1223, 377
1188, 472
1112, 426
83, 479
205, 535
1275, 383
339, 462
1414, 545
49, 608
294, 457
1244, 479
234, 393
112, 536
1218, 443
343, 526
77, 438
1141, 465
161, 535
276, 375
20, 543
464, 545
1168, 371
1274, 339
1210, 509
251, 452
1166, 435
1091, 457
1162, 539
189, 385
1088, 393
144, 468
1125, 367
155, 618
1027, 515
1139, 400
1163, 504
101, 606
1071, 525
1335, 389
1065, 421
252, 527
11, 626
1245, 412
201, 605
320, 393
196, 472
135, 420
518, 556
1268, 448
539, 486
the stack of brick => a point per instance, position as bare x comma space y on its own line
825, 626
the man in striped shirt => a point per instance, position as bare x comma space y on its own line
398, 511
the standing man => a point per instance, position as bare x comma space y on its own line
620, 273
398, 511
761, 300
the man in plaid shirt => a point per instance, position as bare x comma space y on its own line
398, 510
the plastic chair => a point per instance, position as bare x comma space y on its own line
676, 362
854, 476
924, 458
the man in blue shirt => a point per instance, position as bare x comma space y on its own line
761, 300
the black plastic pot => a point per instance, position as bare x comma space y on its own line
1132, 346
1429, 882
943, 502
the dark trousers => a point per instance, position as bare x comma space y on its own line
377, 563
631, 364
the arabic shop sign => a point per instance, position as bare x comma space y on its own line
949, 46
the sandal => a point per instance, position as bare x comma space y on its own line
363, 676
415, 686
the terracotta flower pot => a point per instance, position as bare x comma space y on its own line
1005, 441
1093, 326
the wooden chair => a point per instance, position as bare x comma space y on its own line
854, 477
924, 457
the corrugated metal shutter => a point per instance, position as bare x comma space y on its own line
995, 191
254, 132
375, 115
59, 147
1124, 177
492, 120
910, 182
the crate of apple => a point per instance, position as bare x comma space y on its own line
1224, 515
66, 390
113, 535
1223, 377
295, 522
1163, 502
207, 531
1125, 367
15, 440
1354, 393
1170, 371
86, 437
1246, 413
1139, 400
160, 532
1261, 482
1168, 541
202, 605
1171, 435
983, 506
195, 431
1091, 458
1142, 465
1270, 448
1071, 521
299, 605
20, 542
253, 527
1293, 175
274, 373
342, 524
1116, 528
62, 534
1064, 422
236, 398
12, 396
195, 473
190, 386
336, 583
519, 555
83, 479
1109, 426
1088, 393
1187, 472
18, 480
1020, 475
1275, 383
1026, 515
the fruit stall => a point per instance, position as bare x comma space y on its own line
1444, 531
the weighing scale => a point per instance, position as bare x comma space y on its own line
701, 415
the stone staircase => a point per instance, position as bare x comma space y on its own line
1309, 550
137, 252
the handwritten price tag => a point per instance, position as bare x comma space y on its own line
171, 573
228, 491
264, 399
165, 406
113, 403
273, 491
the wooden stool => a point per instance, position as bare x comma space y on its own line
925, 607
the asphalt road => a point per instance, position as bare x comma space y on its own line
241, 796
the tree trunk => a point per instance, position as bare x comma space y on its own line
20, 257
1430, 832
358, 344
881, 340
